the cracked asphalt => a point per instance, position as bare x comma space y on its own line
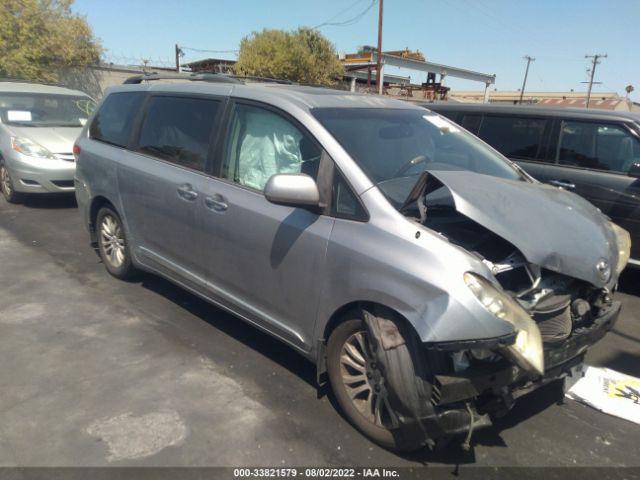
95, 371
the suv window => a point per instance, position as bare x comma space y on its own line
471, 122
596, 145
512, 136
114, 121
178, 129
263, 143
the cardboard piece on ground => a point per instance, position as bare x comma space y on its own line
610, 392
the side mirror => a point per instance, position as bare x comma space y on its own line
634, 171
292, 189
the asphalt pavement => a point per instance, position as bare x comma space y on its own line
96, 371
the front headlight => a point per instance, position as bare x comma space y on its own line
623, 243
527, 350
30, 148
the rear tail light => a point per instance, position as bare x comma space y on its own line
76, 150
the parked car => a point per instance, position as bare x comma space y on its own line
594, 153
422, 272
38, 125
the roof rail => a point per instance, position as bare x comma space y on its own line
263, 79
200, 77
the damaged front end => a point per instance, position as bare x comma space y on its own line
553, 261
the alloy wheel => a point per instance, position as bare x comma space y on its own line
5, 181
363, 380
112, 240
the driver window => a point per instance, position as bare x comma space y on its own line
598, 146
263, 143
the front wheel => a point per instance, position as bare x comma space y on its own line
113, 245
359, 385
6, 185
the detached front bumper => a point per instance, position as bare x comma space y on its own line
467, 400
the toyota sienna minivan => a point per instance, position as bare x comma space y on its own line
38, 126
428, 279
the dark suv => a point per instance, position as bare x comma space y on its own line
593, 153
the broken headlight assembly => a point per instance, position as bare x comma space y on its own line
623, 244
527, 349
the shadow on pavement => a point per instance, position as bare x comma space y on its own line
524, 408
622, 362
241, 331
51, 200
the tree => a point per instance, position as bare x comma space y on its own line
304, 56
40, 37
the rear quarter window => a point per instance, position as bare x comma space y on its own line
114, 120
178, 130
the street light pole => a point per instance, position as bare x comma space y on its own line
379, 74
526, 73
178, 67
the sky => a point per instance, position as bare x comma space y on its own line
488, 36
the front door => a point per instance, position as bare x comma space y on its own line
265, 260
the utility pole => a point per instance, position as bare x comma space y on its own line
526, 73
593, 72
178, 51
379, 74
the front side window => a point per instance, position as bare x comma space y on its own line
178, 130
512, 136
114, 121
394, 146
598, 146
263, 143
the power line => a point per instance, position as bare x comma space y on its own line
352, 21
326, 22
200, 50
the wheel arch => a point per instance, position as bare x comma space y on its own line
96, 204
341, 314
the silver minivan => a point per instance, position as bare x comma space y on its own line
38, 126
430, 280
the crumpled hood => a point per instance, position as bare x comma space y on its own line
54, 139
552, 228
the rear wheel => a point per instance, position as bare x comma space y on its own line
112, 244
6, 185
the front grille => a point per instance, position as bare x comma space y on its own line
68, 157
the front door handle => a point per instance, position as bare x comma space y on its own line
187, 192
216, 202
566, 184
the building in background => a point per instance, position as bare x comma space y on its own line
601, 100
211, 65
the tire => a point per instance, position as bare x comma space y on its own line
113, 245
6, 186
361, 410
